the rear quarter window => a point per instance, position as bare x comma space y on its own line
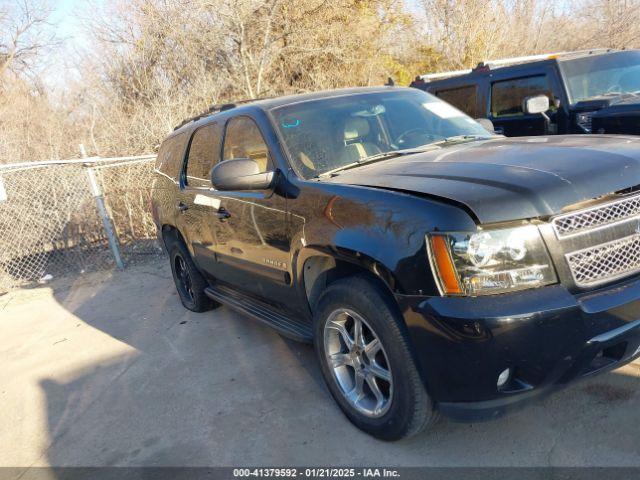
170, 156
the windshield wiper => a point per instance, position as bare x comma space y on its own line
378, 157
407, 151
461, 138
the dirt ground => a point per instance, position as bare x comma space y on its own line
109, 369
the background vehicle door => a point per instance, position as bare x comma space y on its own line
252, 243
506, 110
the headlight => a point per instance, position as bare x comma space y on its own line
490, 261
584, 121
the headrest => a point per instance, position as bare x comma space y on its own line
356, 128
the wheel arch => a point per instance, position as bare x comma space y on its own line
318, 267
170, 232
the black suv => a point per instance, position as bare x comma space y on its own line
588, 92
435, 267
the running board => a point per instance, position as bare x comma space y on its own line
300, 331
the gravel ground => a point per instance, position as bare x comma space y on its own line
109, 369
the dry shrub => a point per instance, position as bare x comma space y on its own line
152, 63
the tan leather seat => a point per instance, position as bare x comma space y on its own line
258, 153
356, 146
262, 160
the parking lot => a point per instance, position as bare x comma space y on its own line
110, 369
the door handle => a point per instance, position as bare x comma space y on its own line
222, 214
182, 207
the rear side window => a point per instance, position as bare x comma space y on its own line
244, 140
204, 153
463, 98
170, 157
507, 96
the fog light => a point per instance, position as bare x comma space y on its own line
503, 378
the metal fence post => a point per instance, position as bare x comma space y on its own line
106, 221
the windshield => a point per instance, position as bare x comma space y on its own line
327, 134
597, 75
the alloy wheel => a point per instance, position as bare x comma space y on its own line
184, 278
358, 362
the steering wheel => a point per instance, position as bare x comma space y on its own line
614, 89
419, 134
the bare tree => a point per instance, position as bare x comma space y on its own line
23, 35
611, 23
159, 61
31, 125
152, 63
470, 31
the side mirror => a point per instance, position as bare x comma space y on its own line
486, 124
240, 174
535, 104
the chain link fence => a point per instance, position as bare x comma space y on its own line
66, 217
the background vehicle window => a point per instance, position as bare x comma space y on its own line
615, 73
170, 156
204, 153
463, 98
244, 140
507, 96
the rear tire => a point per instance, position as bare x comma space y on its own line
369, 369
190, 283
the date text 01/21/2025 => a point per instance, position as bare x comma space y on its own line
316, 472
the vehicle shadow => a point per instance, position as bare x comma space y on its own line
168, 387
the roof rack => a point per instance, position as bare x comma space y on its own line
216, 108
505, 62
210, 111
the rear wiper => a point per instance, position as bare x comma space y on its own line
377, 157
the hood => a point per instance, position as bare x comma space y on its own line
511, 178
621, 116
621, 103
604, 101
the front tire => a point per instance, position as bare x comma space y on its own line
190, 283
365, 358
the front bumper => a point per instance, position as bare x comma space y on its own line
548, 337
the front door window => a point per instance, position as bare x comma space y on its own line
244, 140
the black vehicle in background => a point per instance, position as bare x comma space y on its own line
595, 91
434, 266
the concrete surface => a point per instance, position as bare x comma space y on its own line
109, 369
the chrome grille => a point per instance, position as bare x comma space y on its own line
606, 262
597, 217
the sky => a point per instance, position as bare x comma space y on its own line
63, 16
66, 25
